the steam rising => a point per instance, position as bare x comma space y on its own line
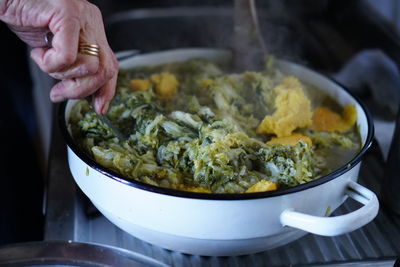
170, 28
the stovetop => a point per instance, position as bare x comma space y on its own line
70, 216
327, 48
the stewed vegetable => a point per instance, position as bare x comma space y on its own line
194, 127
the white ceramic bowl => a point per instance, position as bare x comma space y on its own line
227, 224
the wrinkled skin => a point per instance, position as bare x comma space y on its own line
70, 22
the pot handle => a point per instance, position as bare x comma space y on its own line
331, 226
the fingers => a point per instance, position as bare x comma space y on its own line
102, 84
64, 48
81, 75
104, 96
70, 22
84, 66
109, 65
76, 88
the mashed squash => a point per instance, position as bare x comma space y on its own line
166, 85
140, 84
293, 110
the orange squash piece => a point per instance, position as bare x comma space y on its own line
197, 189
326, 120
262, 186
290, 140
140, 84
166, 85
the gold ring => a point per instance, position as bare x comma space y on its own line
89, 49
89, 45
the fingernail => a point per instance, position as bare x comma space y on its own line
57, 98
105, 108
97, 106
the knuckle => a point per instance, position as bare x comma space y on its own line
94, 9
112, 68
115, 63
105, 72
77, 7
109, 73
48, 67
90, 68
66, 58
71, 88
65, 6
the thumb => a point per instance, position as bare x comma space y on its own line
33, 36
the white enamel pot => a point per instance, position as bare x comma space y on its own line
227, 224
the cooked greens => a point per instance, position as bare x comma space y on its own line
193, 127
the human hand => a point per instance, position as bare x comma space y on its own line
70, 22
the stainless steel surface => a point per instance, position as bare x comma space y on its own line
383, 263
70, 216
67, 253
